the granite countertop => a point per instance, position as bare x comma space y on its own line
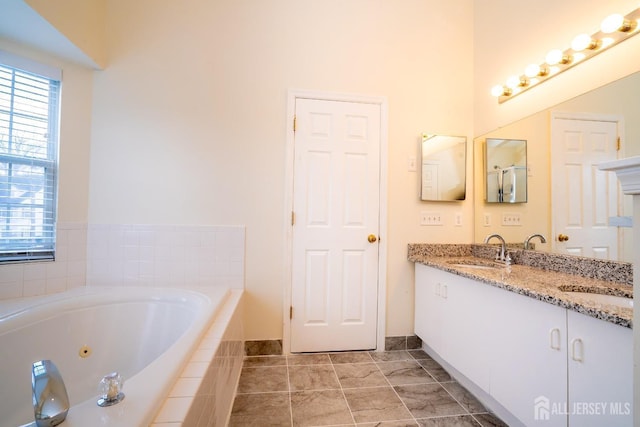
552, 287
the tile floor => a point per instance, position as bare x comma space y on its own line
389, 389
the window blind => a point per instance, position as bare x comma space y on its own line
29, 115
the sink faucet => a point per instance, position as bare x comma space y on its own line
526, 241
50, 398
503, 256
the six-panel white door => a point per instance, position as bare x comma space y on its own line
584, 197
336, 204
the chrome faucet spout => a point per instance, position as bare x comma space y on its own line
503, 245
50, 398
528, 240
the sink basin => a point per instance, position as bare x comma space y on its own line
618, 301
479, 265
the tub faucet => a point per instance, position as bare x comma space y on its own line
50, 398
503, 255
526, 241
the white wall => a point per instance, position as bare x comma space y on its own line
189, 118
509, 35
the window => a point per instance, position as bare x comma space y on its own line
29, 116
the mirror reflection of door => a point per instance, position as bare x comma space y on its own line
584, 198
506, 170
443, 167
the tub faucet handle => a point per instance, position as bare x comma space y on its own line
50, 398
110, 389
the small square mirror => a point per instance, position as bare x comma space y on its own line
506, 170
443, 167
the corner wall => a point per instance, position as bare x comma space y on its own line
189, 119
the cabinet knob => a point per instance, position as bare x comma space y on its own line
562, 237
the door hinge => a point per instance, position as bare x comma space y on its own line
295, 123
293, 217
619, 144
290, 312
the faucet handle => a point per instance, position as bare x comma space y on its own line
507, 259
110, 389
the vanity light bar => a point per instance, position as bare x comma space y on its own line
613, 30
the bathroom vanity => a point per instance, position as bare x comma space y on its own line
536, 346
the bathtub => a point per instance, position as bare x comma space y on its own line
146, 334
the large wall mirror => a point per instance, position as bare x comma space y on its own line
443, 167
505, 170
617, 99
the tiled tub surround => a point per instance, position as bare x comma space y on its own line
165, 255
203, 395
129, 254
539, 275
68, 271
148, 255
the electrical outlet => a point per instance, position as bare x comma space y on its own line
430, 218
457, 219
486, 221
511, 219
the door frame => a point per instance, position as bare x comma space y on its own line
292, 95
618, 119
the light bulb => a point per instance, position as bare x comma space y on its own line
553, 57
532, 70
578, 57
513, 82
612, 23
497, 90
581, 42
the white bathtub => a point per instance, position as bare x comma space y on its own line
146, 334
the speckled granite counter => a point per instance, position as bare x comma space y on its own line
539, 275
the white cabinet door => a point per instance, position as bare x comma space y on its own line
428, 322
450, 318
529, 358
600, 372
469, 347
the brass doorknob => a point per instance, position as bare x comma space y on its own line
562, 237
372, 238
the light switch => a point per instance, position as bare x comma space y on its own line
411, 163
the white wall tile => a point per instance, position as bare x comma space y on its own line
35, 270
56, 270
32, 288
55, 284
12, 273
165, 255
174, 409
